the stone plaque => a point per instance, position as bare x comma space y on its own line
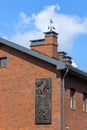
43, 101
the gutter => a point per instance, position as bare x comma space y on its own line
63, 88
77, 72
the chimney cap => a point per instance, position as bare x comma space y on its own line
37, 42
68, 57
51, 33
62, 53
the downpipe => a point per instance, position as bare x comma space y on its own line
63, 90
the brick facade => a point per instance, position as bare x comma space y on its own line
17, 91
18, 87
75, 119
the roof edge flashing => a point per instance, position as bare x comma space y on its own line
62, 66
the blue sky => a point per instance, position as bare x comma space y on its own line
24, 20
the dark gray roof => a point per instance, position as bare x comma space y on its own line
59, 64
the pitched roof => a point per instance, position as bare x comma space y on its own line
59, 64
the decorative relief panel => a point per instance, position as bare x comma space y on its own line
43, 101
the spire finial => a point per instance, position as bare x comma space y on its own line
51, 27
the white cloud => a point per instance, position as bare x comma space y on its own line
23, 39
32, 27
23, 23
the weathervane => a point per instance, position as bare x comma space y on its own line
51, 27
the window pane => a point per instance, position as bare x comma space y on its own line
71, 102
72, 99
86, 106
85, 102
3, 62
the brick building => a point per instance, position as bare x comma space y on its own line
39, 87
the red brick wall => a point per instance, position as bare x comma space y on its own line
46, 49
49, 48
75, 119
17, 91
51, 40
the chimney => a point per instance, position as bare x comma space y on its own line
63, 57
67, 60
48, 45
